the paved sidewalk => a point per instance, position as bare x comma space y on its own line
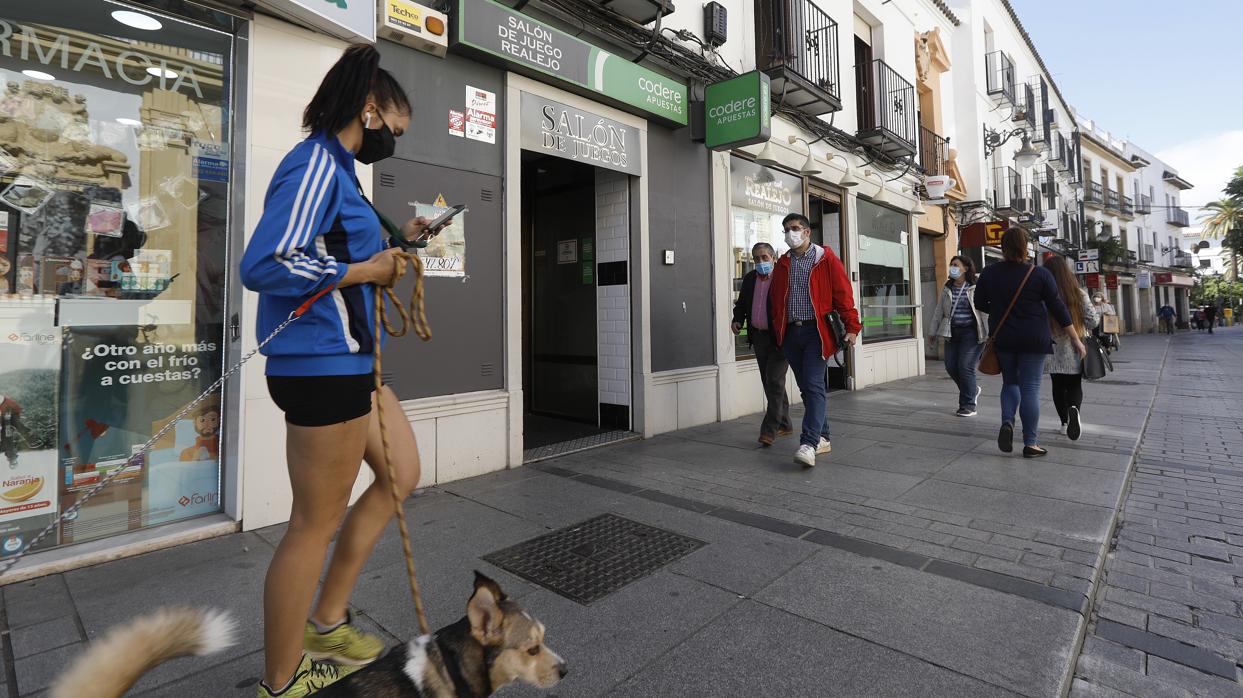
1168, 618
915, 559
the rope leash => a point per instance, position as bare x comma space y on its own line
412, 316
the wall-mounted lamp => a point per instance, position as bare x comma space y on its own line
767, 156
1025, 157
848, 177
810, 167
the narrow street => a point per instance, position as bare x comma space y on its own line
914, 559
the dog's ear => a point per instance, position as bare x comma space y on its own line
482, 580
484, 611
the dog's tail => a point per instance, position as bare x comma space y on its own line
120, 658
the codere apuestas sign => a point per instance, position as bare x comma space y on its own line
737, 111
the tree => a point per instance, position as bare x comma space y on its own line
1224, 219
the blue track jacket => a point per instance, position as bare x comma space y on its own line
314, 224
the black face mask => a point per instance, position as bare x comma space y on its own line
377, 144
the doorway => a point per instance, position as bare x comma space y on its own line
560, 349
824, 210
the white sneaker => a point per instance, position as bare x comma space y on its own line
805, 456
824, 446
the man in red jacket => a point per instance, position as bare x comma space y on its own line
808, 283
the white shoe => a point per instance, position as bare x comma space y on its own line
805, 456
824, 446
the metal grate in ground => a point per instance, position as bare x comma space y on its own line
565, 448
590, 560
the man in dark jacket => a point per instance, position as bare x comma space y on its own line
751, 311
809, 282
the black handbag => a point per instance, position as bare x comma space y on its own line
1094, 362
837, 328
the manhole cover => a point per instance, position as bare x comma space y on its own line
1115, 383
588, 561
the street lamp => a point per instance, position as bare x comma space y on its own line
1025, 157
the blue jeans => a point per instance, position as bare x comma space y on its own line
803, 350
962, 355
1021, 376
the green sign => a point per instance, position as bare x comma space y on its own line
533, 46
738, 111
589, 273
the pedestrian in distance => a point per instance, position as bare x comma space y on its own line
320, 240
1197, 318
1065, 366
1166, 314
809, 282
1104, 309
1025, 296
956, 320
1210, 316
752, 312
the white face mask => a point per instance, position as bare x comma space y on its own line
795, 238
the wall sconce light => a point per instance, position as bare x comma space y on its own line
848, 177
767, 156
810, 167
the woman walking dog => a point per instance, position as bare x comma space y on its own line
1065, 366
963, 328
318, 233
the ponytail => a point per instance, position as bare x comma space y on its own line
356, 76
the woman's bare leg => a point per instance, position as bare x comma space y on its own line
373, 510
323, 464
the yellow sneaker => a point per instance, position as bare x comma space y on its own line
345, 644
310, 677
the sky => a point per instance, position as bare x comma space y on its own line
1165, 75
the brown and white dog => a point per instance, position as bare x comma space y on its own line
496, 643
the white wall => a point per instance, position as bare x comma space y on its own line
613, 302
277, 98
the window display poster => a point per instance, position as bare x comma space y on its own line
119, 386
29, 368
445, 254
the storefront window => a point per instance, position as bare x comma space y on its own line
760, 197
114, 166
887, 308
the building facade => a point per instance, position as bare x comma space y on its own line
614, 195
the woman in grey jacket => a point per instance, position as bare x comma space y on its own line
964, 329
1064, 366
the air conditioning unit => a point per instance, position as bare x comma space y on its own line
640, 11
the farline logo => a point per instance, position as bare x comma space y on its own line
196, 498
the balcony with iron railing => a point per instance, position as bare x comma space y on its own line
796, 46
1000, 76
933, 151
1057, 152
887, 109
1034, 201
1177, 217
1026, 106
1143, 205
1183, 260
1111, 201
1094, 194
1008, 190
1126, 206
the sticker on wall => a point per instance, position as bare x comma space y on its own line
27, 195
457, 123
445, 254
105, 219
209, 161
480, 115
148, 214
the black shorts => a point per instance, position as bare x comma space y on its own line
317, 401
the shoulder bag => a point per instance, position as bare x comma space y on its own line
1094, 366
989, 365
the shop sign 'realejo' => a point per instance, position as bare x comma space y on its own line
556, 129
345, 19
738, 111
529, 45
